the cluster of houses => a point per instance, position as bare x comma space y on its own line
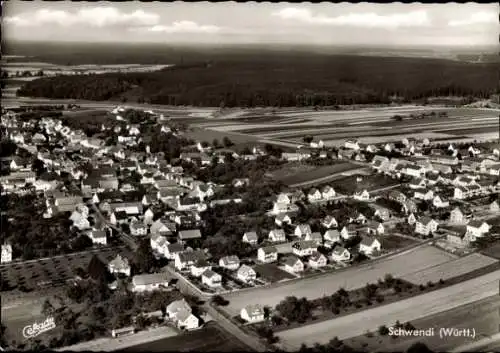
446, 183
116, 171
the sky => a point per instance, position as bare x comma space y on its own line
392, 24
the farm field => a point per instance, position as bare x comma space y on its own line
56, 270
271, 273
452, 269
481, 315
208, 135
413, 260
468, 131
411, 309
210, 338
293, 173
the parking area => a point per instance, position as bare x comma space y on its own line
34, 275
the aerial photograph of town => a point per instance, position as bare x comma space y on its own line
250, 177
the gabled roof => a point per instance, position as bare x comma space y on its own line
119, 262
269, 250
147, 279
368, 241
305, 244
291, 261
339, 250
316, 256
189, 234
251, 235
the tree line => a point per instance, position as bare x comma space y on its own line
284, 80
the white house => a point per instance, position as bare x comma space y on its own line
119, 265
282, 219
411, 219
417, 184
456, 216
199, 267
250, 238
138, 228
423, 194
171, 251
319, 144
181, 313
361, 195
375, 228
315, 237
314, 195
317, 260
252, 313
231, 262
277, 235
438, 202
6, 255
246, 274
302, 230
368, 245
268, 254
186, 259
494, 206
330, 222
352, 144
348, 231
426, 226
328, 193
293, 265
340, 254
149, 282
331, 236
211, 279
414, 171
303, 248
476, 229
98, 236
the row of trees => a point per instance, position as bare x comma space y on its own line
318, 80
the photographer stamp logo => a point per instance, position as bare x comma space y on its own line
36, 329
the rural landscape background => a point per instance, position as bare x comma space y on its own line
269, 97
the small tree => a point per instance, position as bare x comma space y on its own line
47, 308
215, 143
227, 142
308, 139
383, 330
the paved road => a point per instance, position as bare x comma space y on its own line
406, 310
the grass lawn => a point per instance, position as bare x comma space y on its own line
292, 173
349, 185
272, 273
208, 135
394, 242
492, 250
211, 338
